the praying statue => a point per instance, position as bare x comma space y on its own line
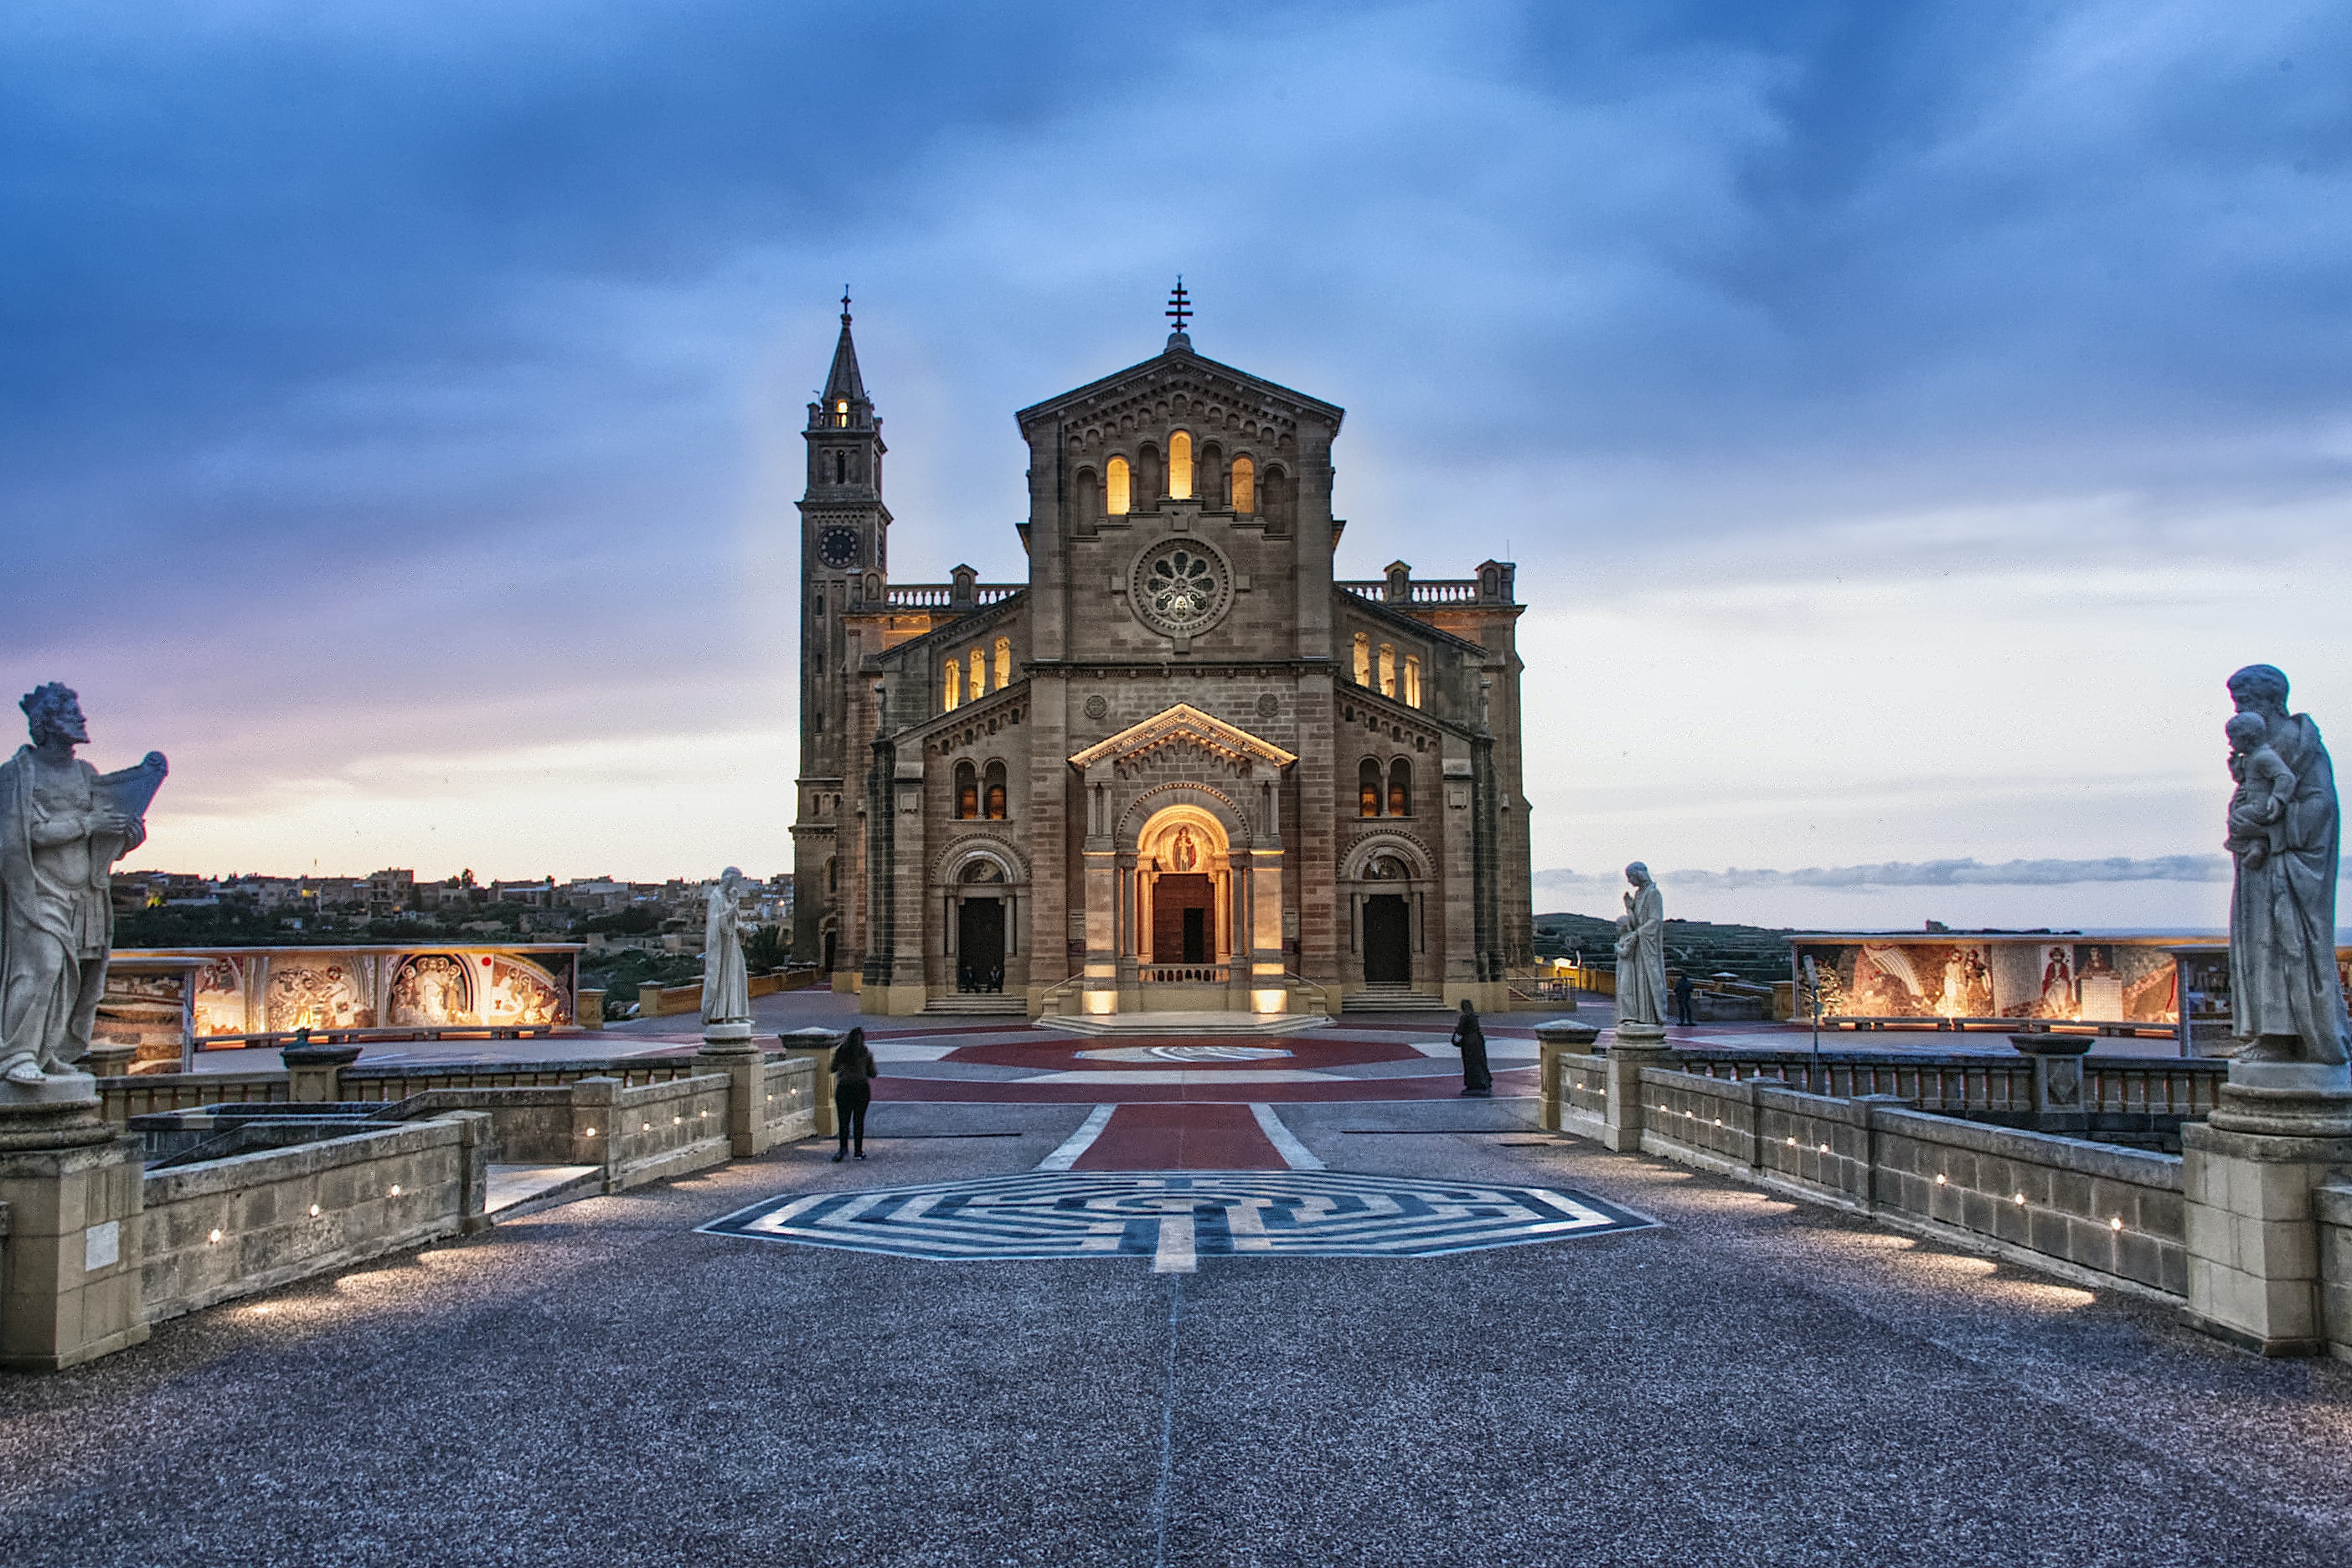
726, 983
62, 827
1642, 952
2284, 833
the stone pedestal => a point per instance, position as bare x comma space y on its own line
2057, 1081
2249, 1176
69, 1290
314, 1073
729, 1048
818, 1046
1555, 1039
1636, 1046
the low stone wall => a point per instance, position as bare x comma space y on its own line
254, 1222
2333, 1203
2101, 1215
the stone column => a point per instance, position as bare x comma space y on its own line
71, 1191
1636, 1046
1099, 856
2250, 1181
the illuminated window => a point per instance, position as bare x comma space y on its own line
993, 792
953, 696
979, 673
1004, 663
1121, 487
1401, 788
1245, 486
967, 792
840, 412
1363, 658
1368, 787
1180, 465
1388, 670
1411, 681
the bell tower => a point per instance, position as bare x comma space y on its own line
844, 559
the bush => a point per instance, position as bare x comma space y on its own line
767, 950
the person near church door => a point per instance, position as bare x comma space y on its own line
853, 1092
1471, 1041
1683, 1001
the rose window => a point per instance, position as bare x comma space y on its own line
1181, 588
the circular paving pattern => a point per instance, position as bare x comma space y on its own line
1174, 1217
1184, 1054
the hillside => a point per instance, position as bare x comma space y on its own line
1752, 953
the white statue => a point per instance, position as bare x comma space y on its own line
62, 827
726, 983
2286, 834
1642, 952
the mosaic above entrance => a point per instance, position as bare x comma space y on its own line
1176, 1218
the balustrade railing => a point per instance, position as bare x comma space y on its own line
1427, 590
942, 596
1186, 973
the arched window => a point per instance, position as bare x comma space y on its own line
1388, 670
1180, 465
1087, 497
1245, 486
1368, 787
820, 604
1411, 681
832, 878
1121, 487
1401, 788
841, 414
952, 697
1004, 663
979, 673
993, 794
1277, 497
1363, 667
1148, 474
967, 792
841, 468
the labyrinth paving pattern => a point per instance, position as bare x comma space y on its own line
1177, 1216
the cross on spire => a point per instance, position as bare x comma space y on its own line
1178, 311
844, 304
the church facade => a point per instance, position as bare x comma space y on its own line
1184, 767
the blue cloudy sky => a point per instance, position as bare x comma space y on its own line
1905, 415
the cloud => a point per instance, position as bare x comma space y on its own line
1964, 873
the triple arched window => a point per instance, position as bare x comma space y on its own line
1384, 791
964, 678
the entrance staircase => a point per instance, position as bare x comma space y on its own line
978, 1005
1391, 997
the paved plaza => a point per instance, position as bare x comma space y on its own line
1685, 1371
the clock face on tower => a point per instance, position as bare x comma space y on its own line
837, 547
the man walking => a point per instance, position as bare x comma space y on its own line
1683, 1000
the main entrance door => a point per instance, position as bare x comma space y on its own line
1183, 918
979, 945
1388, 940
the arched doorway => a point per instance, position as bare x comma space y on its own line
1183, 889
980, 929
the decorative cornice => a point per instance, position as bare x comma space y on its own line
1184, 722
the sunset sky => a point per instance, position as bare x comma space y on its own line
1905, 417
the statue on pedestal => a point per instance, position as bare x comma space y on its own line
726, 982
1642, 952
2285, 835
62, 827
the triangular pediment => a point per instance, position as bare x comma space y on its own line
1180, 370
1183, 725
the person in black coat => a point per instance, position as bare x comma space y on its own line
853, 1092
1683, 1000
1471, 1041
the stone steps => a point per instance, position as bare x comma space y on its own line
1391, 999
979, 1005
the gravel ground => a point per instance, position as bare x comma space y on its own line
1757, 1383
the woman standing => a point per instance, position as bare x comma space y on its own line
1471, 1041
853, 1092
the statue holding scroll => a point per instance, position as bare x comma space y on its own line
1642, 952
62, 827
2285, 835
